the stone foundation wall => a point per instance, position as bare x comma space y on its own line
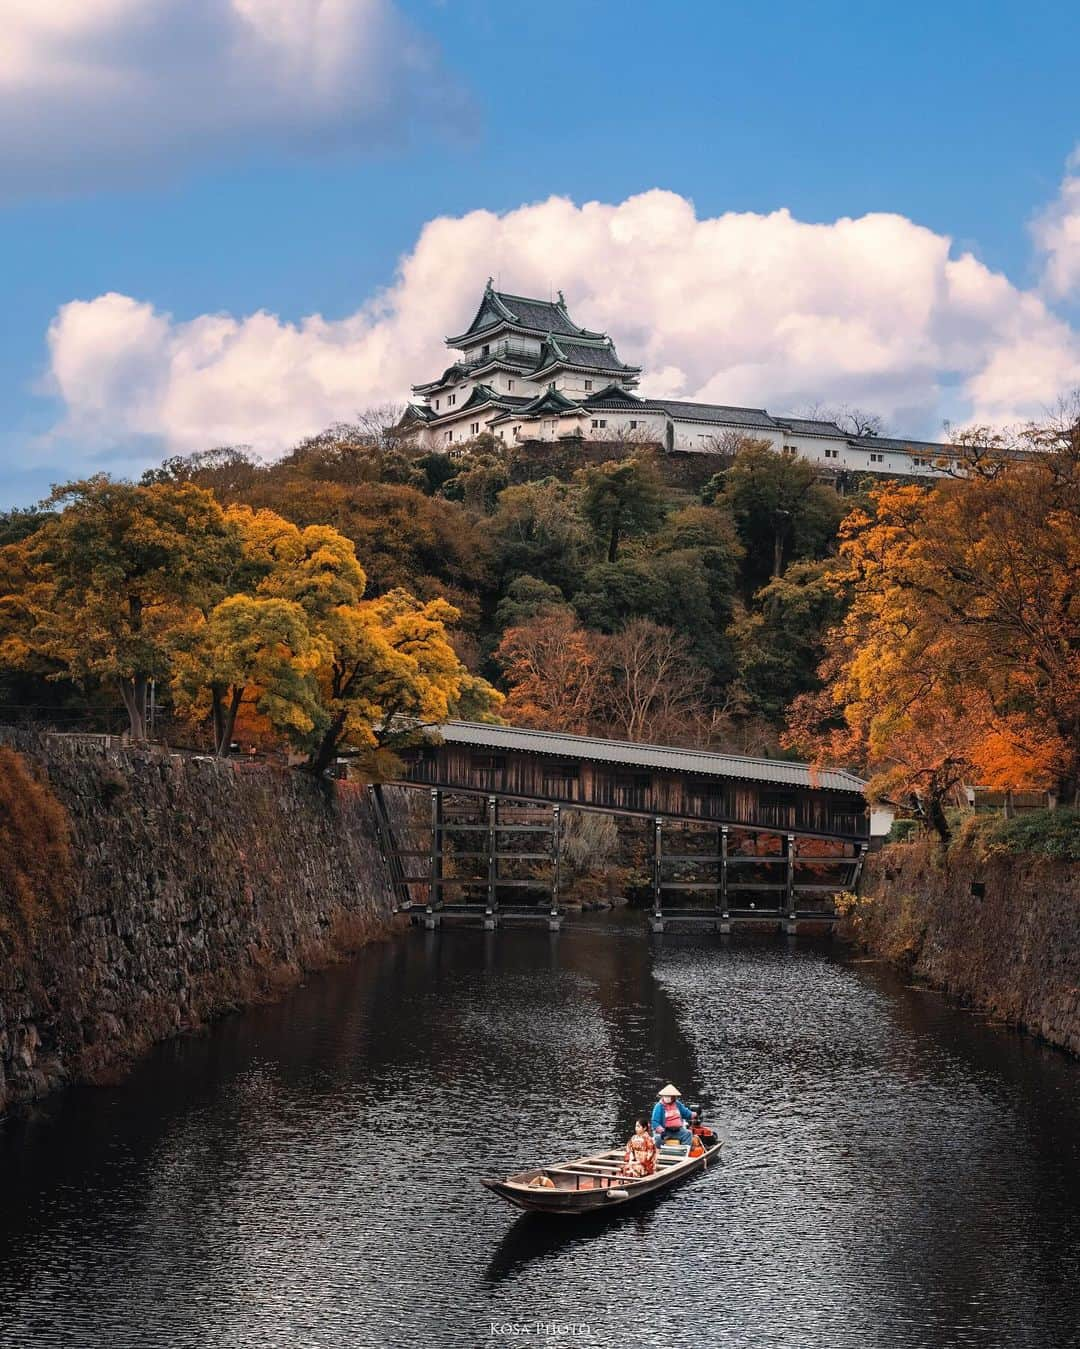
686, 469
199, 886
1000, 933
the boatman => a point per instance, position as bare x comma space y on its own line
670, 1118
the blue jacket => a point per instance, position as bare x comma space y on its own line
658, 1114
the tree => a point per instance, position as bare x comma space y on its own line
655, 689
781, 641
117, 573
620, 500
526, 598
780, 510
854, 421
255, 651
389, 668
552, 667
960, 654
223, 470
537, 530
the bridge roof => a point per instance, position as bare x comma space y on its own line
482, 735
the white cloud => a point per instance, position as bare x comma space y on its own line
1057, 235
100, 90
742, 308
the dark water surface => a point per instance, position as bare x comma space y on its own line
898, 1172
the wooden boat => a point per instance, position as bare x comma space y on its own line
593, 1184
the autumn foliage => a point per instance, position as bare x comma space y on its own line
35, 854
240, 615
959, 659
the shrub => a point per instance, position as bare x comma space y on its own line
1048, 833
35, 853
903, 831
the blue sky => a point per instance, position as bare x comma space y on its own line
959, 118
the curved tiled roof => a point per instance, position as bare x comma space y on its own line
715, 412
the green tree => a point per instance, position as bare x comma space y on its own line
526, 598
537, 531
621, 500
781, 512
782, 641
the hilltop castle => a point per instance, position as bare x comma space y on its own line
527, 371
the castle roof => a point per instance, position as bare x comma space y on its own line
806, 426
499, 309
582, 356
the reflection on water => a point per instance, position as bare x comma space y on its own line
897, 1172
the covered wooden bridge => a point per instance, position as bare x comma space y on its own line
732, 838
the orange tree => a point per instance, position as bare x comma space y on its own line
960, 654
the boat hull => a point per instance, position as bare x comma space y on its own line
576, 1202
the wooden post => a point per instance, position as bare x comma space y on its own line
435, 885
725, 915
856, 879
554, 920
789, 882
493, 863
658, 911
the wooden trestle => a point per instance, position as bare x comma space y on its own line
495, 824
780, 885
797, 885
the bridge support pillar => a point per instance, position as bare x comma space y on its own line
724, 923
491, 912
658, 873
435, 871
554, 917
789, 884
856, 879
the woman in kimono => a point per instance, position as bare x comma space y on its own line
640, 1157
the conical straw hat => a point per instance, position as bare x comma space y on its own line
669, 1090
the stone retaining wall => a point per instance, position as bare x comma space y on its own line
1000, 933
200, 886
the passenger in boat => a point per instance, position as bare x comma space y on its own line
670, 1118
640, 1158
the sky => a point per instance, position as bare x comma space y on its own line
237, 221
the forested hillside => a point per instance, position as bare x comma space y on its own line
926, 633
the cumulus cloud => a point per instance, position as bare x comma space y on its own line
1057, 234
762, 310
95, 90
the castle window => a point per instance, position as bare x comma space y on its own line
633, 426
832, 454
451, 400
474, 429
790, 451
486, 351
449, 436
588, 384
598, 423
510, 385
877, 458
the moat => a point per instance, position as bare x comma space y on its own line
898, 1171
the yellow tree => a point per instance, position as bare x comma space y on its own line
392, 668
253, 651
385, 664
117, 573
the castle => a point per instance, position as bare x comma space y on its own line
527, 372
